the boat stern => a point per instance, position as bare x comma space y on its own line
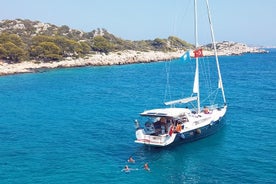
153, 140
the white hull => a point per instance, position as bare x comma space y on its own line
193, 127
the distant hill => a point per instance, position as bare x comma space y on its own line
33, 40
233, 48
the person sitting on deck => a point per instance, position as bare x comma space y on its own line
206, 110
178, 127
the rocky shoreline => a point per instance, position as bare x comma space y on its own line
119, 58
114, 58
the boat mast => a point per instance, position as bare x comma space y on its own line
220, 85
196, 80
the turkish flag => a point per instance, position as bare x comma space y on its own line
198, 53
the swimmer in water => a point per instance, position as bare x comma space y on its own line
126, 169
131, 160
146, 167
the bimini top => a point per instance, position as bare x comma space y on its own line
166, 112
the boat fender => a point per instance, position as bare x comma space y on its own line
182, 136
171, 130
198, 131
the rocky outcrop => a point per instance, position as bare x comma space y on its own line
227, 48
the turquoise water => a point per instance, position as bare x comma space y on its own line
76, 126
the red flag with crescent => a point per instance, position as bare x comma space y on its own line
198, 53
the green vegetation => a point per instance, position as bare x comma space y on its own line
22, 40
101, 44
12, 48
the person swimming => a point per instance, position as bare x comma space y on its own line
126, 168
146, 167
131, 160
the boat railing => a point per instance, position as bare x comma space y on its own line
212, 107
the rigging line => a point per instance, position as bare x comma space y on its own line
207, 75
211, 94
215, 49
193, 106
215, 96
174, 21
180, 17
205, 68
202, 69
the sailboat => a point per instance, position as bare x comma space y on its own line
172, 124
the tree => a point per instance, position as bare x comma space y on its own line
13, 53
101, 44
68, 47
178, 43
63, 30
3, 52
85, 48
41, 38
12, 48
160, 44
46, 51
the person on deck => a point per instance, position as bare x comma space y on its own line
206, 110
178, 127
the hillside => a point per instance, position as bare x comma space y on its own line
23, 40
227, 48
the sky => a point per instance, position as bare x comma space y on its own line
248, 21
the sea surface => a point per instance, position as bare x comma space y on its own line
76, 125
